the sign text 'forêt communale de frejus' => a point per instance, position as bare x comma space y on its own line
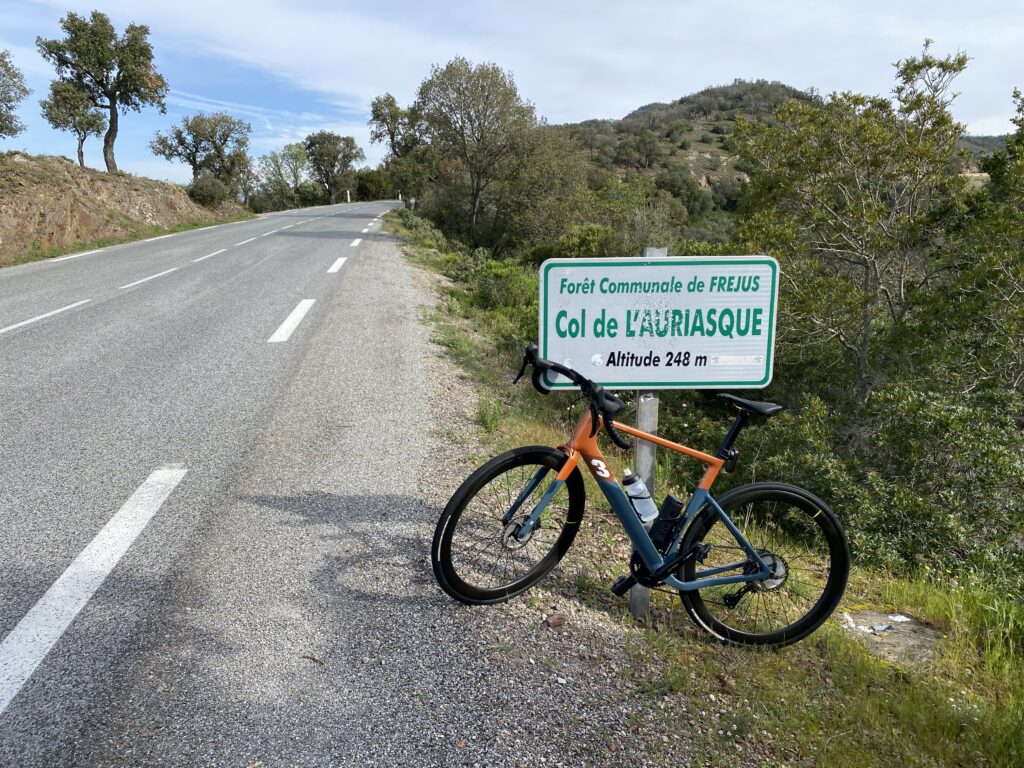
661, 323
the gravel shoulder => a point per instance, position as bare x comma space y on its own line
308, 631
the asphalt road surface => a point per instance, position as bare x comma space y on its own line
172, 415
222, 455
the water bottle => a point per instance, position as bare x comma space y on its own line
640, 498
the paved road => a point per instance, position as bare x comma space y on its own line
217, 488
164, 389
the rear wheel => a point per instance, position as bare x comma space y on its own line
798, 537
476, 555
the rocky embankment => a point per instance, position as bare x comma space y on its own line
51, 203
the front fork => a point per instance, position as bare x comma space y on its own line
524, 530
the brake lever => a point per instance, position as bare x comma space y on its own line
522, 370
593, 418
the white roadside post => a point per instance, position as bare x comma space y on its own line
645, 456
348, 196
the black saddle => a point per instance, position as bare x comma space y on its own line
753, 406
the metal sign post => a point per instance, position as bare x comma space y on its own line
645, 455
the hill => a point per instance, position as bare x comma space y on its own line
979, 146
49, 204
683, 147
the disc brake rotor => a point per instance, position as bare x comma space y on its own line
508, 535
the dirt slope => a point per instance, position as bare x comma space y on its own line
50, 202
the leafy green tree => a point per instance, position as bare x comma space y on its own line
371, 184
477, 121
69, 108
12, 92
247, 180
539, 195
281, 176
391, 124
649, 148
409, 161
332, 159
678, 180
117, 72
215, 144
855, 197
1006, 168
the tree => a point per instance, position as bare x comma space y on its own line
214, 143
332, 159
371, 184
117, 72
398, 128
409, 160
12, 92
282, 175
541, 194
69, 108
1006, 168
474, 116
856, 198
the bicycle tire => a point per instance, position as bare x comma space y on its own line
709, 607
456, 578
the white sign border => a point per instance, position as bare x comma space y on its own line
662, 261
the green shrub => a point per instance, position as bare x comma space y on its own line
207, 190
504, 285
538, 254
587, 241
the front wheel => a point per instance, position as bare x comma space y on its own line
476, 556
798, 537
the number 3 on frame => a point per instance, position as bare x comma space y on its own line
600, 468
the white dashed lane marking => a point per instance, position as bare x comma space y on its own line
40, 629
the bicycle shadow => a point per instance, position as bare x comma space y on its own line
379, 544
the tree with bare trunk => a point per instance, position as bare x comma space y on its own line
69, 108
116, 72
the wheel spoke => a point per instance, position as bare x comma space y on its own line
484, 553
793, 540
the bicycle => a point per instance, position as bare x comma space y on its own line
772, 592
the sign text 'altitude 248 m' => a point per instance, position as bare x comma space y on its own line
661, 323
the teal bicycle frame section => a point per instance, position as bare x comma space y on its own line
654, 560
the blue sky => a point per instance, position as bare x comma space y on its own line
290, 68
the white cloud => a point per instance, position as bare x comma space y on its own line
577, 59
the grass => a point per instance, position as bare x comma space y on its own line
141, 233
824, 701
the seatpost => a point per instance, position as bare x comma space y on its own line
738, 423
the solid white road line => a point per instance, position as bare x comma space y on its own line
40, 629
336, 265
245, 241
292, 321
76, 255
161, 237
147, 279
43, 317
215, 253
357, 241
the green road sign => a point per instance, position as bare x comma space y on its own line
661, 323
